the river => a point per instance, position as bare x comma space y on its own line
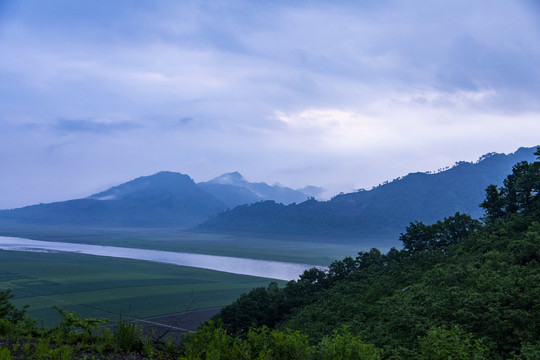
262, 268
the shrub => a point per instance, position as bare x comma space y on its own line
127, 336
443, 344
5, 354
343, 345
8, 310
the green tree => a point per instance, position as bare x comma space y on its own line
343, 345
452, 230
8, 310
454, 343
520, 191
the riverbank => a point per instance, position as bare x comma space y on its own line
252, 267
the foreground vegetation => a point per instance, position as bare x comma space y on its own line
78, 338
459, 289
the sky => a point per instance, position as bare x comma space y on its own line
341, 94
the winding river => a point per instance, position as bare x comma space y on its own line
262, 268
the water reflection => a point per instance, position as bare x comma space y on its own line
262, 268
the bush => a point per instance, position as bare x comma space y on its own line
443, 344
264, 343
127, 337
8, 310
210, 342
343, 345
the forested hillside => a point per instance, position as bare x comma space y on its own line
460, 289
380, 213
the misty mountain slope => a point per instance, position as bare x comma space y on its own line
434, 196
233, 189
382, 212
162, 199
231, 195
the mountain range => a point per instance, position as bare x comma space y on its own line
234, 190
229, 203
165, 199
380, 213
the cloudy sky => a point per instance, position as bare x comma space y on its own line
340, 94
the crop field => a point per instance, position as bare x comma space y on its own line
96, 286
297, 249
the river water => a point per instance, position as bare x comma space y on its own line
263, 268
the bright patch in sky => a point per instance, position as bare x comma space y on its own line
336, 94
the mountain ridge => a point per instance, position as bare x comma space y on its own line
382, 212
165, 199
234, 190
231, 204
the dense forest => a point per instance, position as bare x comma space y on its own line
457, 289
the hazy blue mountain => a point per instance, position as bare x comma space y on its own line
233, 189
163, 199
380, 213
168, 199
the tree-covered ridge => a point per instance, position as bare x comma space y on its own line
381, 213
456, 285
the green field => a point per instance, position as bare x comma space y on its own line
96, 286
109, 287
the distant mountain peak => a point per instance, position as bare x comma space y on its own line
164, 199
233, 189
233, 178
162, 181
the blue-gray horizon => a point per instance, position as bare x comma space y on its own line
342, 95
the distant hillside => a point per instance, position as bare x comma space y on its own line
233, 189
163, 199
382, 212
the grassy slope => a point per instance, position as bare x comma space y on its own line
105, 287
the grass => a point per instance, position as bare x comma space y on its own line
96, 286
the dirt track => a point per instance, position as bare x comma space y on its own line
175, 325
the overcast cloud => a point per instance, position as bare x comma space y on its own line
337, 94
